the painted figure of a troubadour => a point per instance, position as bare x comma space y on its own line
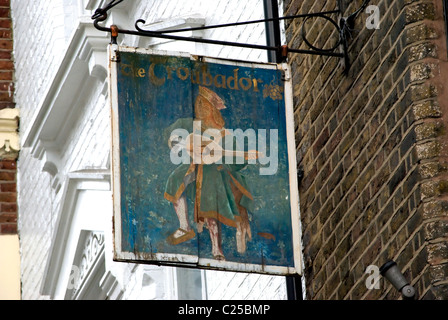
218, 189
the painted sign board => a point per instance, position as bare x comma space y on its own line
204, 168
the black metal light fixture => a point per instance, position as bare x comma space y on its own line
392, 273
343, 26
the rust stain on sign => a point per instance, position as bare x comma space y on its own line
236, 182
266, 235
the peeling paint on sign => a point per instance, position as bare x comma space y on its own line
202, 172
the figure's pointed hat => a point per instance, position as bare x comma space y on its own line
212, 97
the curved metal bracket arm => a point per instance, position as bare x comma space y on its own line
101, 12
349, 22
344, 26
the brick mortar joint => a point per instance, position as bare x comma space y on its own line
410, 45
431, 170
440, 283
372, 222
399, 98
436, 241
407, 47
379, 88
344, 197
416, 166
384, 247
299, 11
366, 147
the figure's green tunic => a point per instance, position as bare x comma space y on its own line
218, 190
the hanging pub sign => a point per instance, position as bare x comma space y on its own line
204, 168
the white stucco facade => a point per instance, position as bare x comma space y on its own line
64, 194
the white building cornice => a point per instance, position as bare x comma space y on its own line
85, 59
67, 84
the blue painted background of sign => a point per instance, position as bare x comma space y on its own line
153, 93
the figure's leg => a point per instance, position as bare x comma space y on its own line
243, 232
240, 238
182, 213
215, 237
185, 232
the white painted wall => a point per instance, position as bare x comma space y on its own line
44, 34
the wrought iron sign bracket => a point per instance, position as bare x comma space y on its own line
344, 28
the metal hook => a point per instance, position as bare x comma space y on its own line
101, 13
350, 20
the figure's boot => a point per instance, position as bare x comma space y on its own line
185, 232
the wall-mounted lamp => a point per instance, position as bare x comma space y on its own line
392, 273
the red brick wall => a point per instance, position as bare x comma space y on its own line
8, 167
8, 197
6, 59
